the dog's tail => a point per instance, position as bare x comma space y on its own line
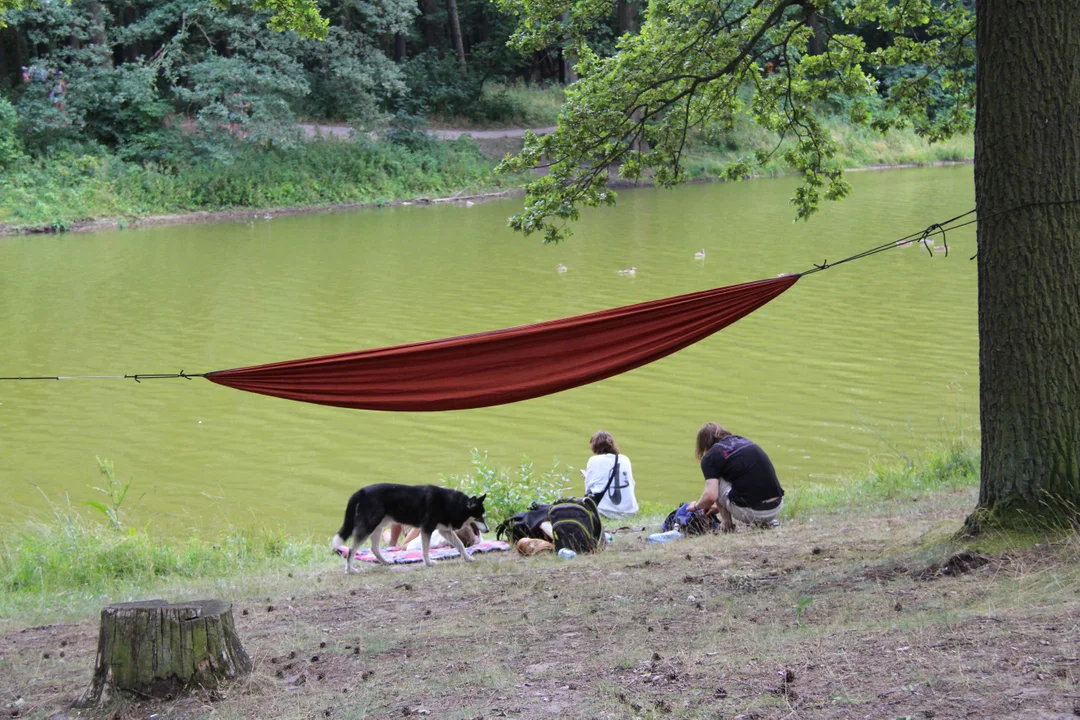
345, 533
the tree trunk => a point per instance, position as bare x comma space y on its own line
455, 31
131, 49
97, 23
428, 9
155, 649
626, 16
399, 47
626, 21
1027, 150
813, 20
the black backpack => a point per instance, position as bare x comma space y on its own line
575, 523
524, 525
697, 524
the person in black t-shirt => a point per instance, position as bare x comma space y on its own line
740, 481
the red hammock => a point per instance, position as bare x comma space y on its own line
505, 366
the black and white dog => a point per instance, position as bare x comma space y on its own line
428, 507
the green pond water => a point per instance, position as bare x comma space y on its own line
859, 361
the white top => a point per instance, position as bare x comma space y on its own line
597, 472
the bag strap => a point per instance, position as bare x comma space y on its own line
597, 497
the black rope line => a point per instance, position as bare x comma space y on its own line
137, 377
924, 236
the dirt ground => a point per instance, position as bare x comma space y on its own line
876, 616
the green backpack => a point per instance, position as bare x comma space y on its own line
575, 523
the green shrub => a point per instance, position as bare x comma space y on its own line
10, 146
71, 556
510, 490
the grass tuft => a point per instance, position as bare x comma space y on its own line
70, 558
948, 466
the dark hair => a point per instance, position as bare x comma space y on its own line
707, 436
602, 443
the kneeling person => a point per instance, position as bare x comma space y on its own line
740, 481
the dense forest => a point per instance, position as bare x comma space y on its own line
174, 84
114, 71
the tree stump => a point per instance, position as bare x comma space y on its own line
157, 650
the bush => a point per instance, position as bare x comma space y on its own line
10, 147
510, 491
437, 83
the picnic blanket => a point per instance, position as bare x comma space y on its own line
402, 556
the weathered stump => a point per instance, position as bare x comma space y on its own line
157, 650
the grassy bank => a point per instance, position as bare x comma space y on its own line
858, 147
85, 183
58, 191
82, 558
865, 607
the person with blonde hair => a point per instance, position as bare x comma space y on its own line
740, 481
619, 500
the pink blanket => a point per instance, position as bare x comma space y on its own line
403, 556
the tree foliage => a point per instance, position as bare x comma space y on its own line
134, 68
301, 16
697, 64
193, 58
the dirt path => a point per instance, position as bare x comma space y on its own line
344, 132
850, 615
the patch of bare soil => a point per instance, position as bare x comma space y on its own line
804, 621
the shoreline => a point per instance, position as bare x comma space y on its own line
201, 216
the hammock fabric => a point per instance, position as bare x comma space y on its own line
505, 366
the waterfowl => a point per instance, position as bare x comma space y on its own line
700, 255
629, 271
561, 268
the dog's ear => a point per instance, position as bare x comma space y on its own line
480, 499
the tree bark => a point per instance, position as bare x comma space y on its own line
626, 16
399, 47
154, 649
97, 23
428, 9
813, 20
455, 31
1027, 155
626, 21
131, 50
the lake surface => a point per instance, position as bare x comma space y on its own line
855, 362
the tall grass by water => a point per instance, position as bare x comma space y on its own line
857, 147
82, 184
69, 557
948, 466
